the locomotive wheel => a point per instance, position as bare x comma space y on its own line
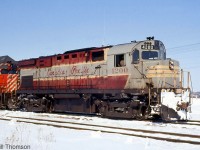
142, 113
50, 109
102, 111
139, 117
12, 105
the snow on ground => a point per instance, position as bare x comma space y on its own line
50, 138
195, 115
41, 137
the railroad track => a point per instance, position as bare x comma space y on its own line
194, 121
157, 135
77, 117
191, 122
188, 122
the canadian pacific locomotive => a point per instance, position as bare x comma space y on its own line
132, 80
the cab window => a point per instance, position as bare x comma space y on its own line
120, 60
136, 56
150, 55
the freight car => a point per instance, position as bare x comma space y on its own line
132, 80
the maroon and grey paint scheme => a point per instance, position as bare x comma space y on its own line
127, 81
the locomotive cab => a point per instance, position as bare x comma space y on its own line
149, 50
149, 59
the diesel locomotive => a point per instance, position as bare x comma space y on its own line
132, 80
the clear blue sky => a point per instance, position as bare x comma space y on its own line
32, 28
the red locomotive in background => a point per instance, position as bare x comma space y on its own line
132, 80
8, 80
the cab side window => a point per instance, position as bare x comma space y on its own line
120, 60
136, 57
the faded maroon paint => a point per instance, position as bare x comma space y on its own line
72, 57
110, 82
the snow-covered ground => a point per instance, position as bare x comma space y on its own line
195, 115
41, 137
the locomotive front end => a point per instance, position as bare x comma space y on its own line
168, 96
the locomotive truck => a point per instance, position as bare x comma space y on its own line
131, 80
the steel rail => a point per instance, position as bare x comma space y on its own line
194, 123
184, 122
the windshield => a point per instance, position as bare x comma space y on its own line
150, 55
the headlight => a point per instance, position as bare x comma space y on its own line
171, 65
